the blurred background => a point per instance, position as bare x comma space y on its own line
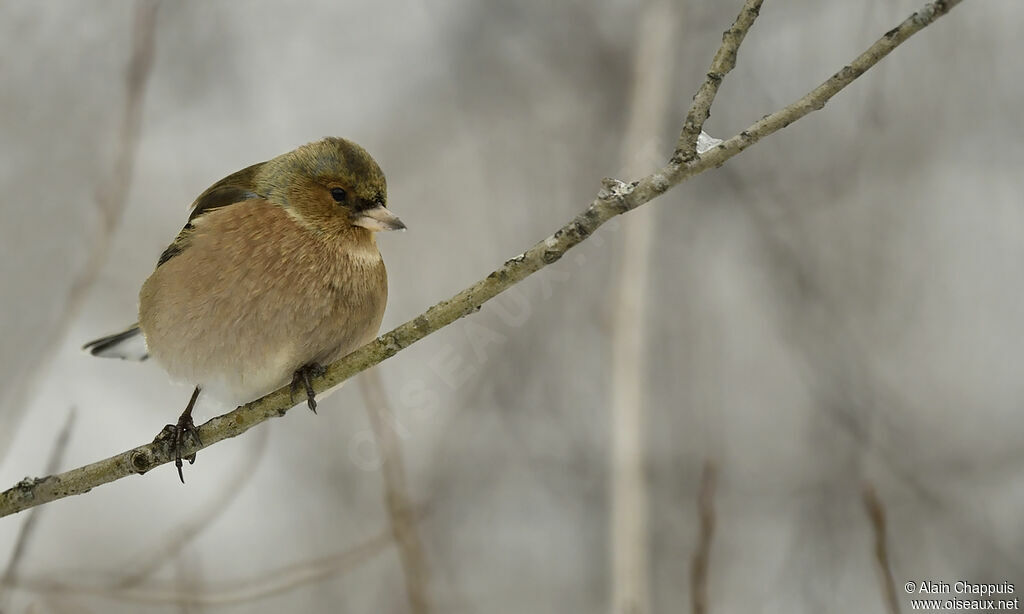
815, 342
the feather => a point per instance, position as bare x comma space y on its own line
126, 345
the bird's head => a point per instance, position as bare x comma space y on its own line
330, 185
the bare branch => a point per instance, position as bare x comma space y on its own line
876, 513
723, 62
396, 493
815, 100
702, 554
616, 198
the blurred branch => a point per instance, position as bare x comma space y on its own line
60, 446
188, 577
614, 199
112, 197
396, 493
265, 584
628, 488
702, 555
876, 513
115, 194
174, 541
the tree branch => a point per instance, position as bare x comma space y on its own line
614, 199
724, 61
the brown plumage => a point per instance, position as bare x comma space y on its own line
255, 296
275, 273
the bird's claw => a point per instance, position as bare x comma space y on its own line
184, 428
302, 378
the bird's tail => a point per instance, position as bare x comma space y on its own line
126, 345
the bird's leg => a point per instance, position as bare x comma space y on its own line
302, 377
185, 427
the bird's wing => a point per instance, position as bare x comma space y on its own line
234, 189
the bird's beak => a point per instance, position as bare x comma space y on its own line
378, 219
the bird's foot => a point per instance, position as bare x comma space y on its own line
185, 428
183, 432
302, 378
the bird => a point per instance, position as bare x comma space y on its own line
275, 274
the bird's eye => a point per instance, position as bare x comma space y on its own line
339, 195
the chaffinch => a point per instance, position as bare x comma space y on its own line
275, 274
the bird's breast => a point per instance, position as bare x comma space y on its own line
256, 295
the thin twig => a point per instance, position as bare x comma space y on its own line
702, 554
876, 513
401, 512
724, 61
60, 446
628, 489
614, 199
